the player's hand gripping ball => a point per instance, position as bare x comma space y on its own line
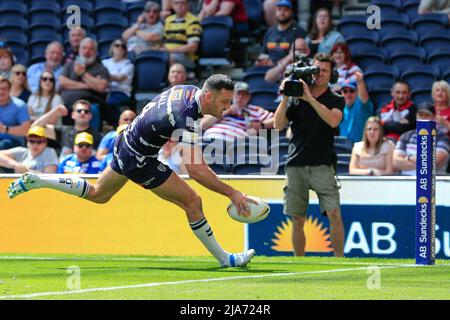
258, 211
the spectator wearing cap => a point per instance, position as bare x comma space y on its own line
82, 161
121, 71
147, 33
358, 107
6, 60
344, 64
240, 121
14, 118
36, 157
75, 37
107, 143
278, 38
405, 154
399, 115
53, 62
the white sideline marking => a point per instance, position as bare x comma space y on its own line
156, 284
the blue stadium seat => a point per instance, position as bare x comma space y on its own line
11, 27
420, 95
109, 4
380, 96
364, 59
110, 28
17, 41
440, 57
363, 41
394, 22
254, 10
85, 5
387, 6
353, 24
264, 96
39, 16
446, 76
87, 23
109, 14
21, 56
255, 76
406, 57
44, 5
420, 76
50, 24
156, 61
380, 75
103, 47
398, 39
433, 40
13, 8
346, 143
134, 10
429, 22
410, 7
215, 40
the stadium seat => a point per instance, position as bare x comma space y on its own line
87, 23
110, 4
215, 41
364, 59
387, 7
344, 143
380, 75
49, 26
11, 28
13, 8
405, 57
360, 42
110, 28
420, 95
410, 7
380, 96
134, 10
420, 76
110, 15
103, 47
247, 169
439, 57
395, 40
264, 96
44, 5
433, 40
254, 11
254, 76
394, 22
428, 22
156, 61
85, 5
353, 24
21, 56
39, 16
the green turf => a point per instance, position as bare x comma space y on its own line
264, 278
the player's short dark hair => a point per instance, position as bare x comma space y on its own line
218, 82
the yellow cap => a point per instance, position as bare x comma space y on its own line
36, 131
84, 137
121, 128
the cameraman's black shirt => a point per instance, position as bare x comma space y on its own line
312, 138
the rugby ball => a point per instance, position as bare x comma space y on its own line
258, 211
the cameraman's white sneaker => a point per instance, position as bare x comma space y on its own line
25, 183
239, 259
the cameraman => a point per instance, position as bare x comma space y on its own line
312, 118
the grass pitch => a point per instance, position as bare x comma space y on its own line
191, 278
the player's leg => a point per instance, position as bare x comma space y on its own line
336, 231
107, 185
298, 235
177, 191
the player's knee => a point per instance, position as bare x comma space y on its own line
298, 222
193, 203
333, 214
99, 197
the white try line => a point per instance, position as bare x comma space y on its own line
172, 283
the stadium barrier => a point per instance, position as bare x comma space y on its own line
378, 215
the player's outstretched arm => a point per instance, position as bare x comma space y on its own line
199, 170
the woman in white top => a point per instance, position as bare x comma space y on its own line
45, 98
121, 71
374, 155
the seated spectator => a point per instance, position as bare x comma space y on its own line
107, 142
64, 134
322, 37
45, 98
405, 154
53, 62
75, 37
121, 72
177, 75
85, 78
434, 6
440, 94
373, 155
182, 35
6, 61
233, 8
108, 157
358, 107
344, 64
399, 115
81, 161
36, 157
19, 83
240, 121
147, 32
277, 73
278, 39
14, 118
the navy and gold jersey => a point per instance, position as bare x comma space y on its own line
174, 114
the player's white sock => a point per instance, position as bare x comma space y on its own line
203, 231
69, 184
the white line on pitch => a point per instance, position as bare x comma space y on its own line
156, 284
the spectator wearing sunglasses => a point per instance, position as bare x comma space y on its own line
45, 98
121, 71
358, 108
82, 161
19, 83
64, 135
53, 62
36, 157
147, 33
